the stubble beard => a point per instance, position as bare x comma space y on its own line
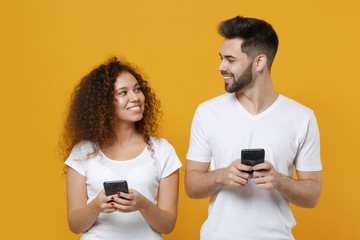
238, 84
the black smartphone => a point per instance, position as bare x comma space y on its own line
251, 157
112, 187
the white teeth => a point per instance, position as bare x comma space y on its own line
226, 77
134, 108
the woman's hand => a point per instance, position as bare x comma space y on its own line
161, 216
101, 203
81, 216
130, 202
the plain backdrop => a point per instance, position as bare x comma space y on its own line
47, 46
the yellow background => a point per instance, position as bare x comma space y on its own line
47, 46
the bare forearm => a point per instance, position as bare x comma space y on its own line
302, 193
200, 184
82, 219
159, 219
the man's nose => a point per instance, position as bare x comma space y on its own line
222, 66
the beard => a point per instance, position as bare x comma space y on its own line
241, 82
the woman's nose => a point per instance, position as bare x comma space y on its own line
134, 97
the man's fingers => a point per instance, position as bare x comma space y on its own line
242, 167
238, 180
266, 186
263, 166
260, 180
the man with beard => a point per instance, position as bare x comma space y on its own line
251, 115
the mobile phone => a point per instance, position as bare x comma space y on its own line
112, 187
251, 157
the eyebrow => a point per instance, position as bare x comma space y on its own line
123, 88
227, 56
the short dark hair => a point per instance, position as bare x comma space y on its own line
258, 36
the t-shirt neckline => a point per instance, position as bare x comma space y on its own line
124, 161
260, 115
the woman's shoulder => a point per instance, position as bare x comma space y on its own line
83, 149
159, 142
166, 155
161, 145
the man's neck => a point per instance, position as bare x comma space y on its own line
258, 97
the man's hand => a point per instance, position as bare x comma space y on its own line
303, 192
234, 176
200, 183
266, 177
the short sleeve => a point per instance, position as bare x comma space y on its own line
308, 156
78, 156
199, 149
169, 161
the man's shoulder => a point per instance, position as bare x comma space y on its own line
218, 100
215, 105
294, 107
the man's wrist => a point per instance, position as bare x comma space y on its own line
281, 181
219, 176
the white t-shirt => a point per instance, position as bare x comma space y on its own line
142, 173
287, 131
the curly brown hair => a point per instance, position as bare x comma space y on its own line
91, 114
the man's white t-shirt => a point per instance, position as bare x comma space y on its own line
287, 131
142, 173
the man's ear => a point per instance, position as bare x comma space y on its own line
260, 63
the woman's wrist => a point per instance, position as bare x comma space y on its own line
145, 206
94, 208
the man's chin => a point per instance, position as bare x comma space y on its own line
228, 88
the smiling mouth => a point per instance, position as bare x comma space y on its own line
134, 109
227, 79
227, 76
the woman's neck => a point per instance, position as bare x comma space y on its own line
129, 143
127, 133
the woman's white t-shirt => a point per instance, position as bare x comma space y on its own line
142, 173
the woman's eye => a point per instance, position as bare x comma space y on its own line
137, 90
122, 93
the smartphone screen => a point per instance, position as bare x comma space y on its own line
251, 157
112, 187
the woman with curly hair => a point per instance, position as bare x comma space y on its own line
109, 135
